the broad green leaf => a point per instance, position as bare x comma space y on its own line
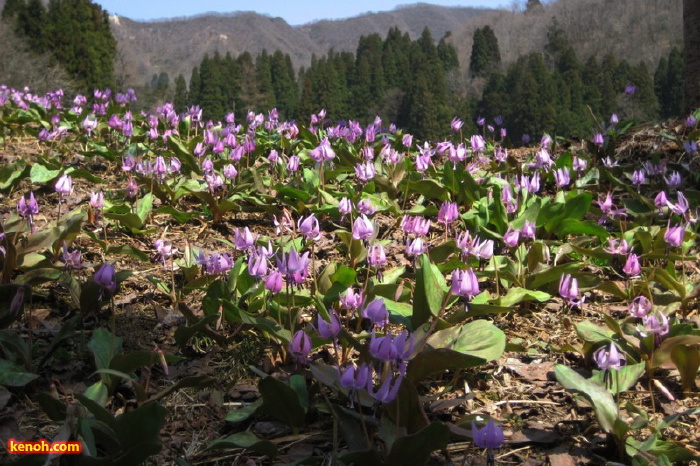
479, 338
620, 380
104, 347
597, 396
247, 441
429, 292
591, 333
12, 375
416, 448
282, 403
244, 413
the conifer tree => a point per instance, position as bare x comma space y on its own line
180, 96
195, 88
284, 85
211, 97
263, 74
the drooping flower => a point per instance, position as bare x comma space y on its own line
27, 208
640, 307
105, 277
273, 282
490, 436
64, 184
300, 347
656, 324
310, 228
351, 300
416, 247
328, 330
464, 283
511, 238
72, 259
456, 124
674, 235
562, 177
568, 290
376, 256
632, 267
598, 140
362, 228
376, 312
243, 239
448, 212
608, 358
345, 207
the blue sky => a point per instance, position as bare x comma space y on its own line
294, 12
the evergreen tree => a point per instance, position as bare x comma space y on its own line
486, 55
674, 98
193, 96
447, 55
180, 96
12, 9
78, 34
249, 86
263, 74
284, 84
31, 24
231, 84
211, 97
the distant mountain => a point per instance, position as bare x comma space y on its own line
177, 45
637, 30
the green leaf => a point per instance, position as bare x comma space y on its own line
298, 384
247, 441
591, 333
144, 206
416, 448
597, 396
437, 360
40, 174
479, 338
282, 402
97, 392
244, 413
517, 295
573, 226
12, 375
687, 361
537, 280
429, 292
130, 251
104, 347
184, 333
622, 379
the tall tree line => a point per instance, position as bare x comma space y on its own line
75, 32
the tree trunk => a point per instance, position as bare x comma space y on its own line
691, 53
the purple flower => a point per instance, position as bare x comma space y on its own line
407, 140
416, 247
638, 178
608, 357
26, 208
598, 140
545, 141
64, 184
376, 256
105, 277
365, 207
681, 207
365, 171
294, 267
579, 164
160, 169
356, 377
630, 89
528, 230
674, 180
293, 163
614, 119
448, 212
273, 282
661, 201
165, 249
230, 171
323, 153
640, 307
489, 436
257, 265
128, 163
72, 259
97, 200
464, 283
376, 312
478, 143
243, 239
568, 289
345, 207
632, 267
328, 330
562, 177
310, 228
674, 235
656, 324
456, 124
511, 238
300, 347
362, 228
351, 300
387, 392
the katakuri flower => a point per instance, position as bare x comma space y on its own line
568, 290
608, 358
490, 436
